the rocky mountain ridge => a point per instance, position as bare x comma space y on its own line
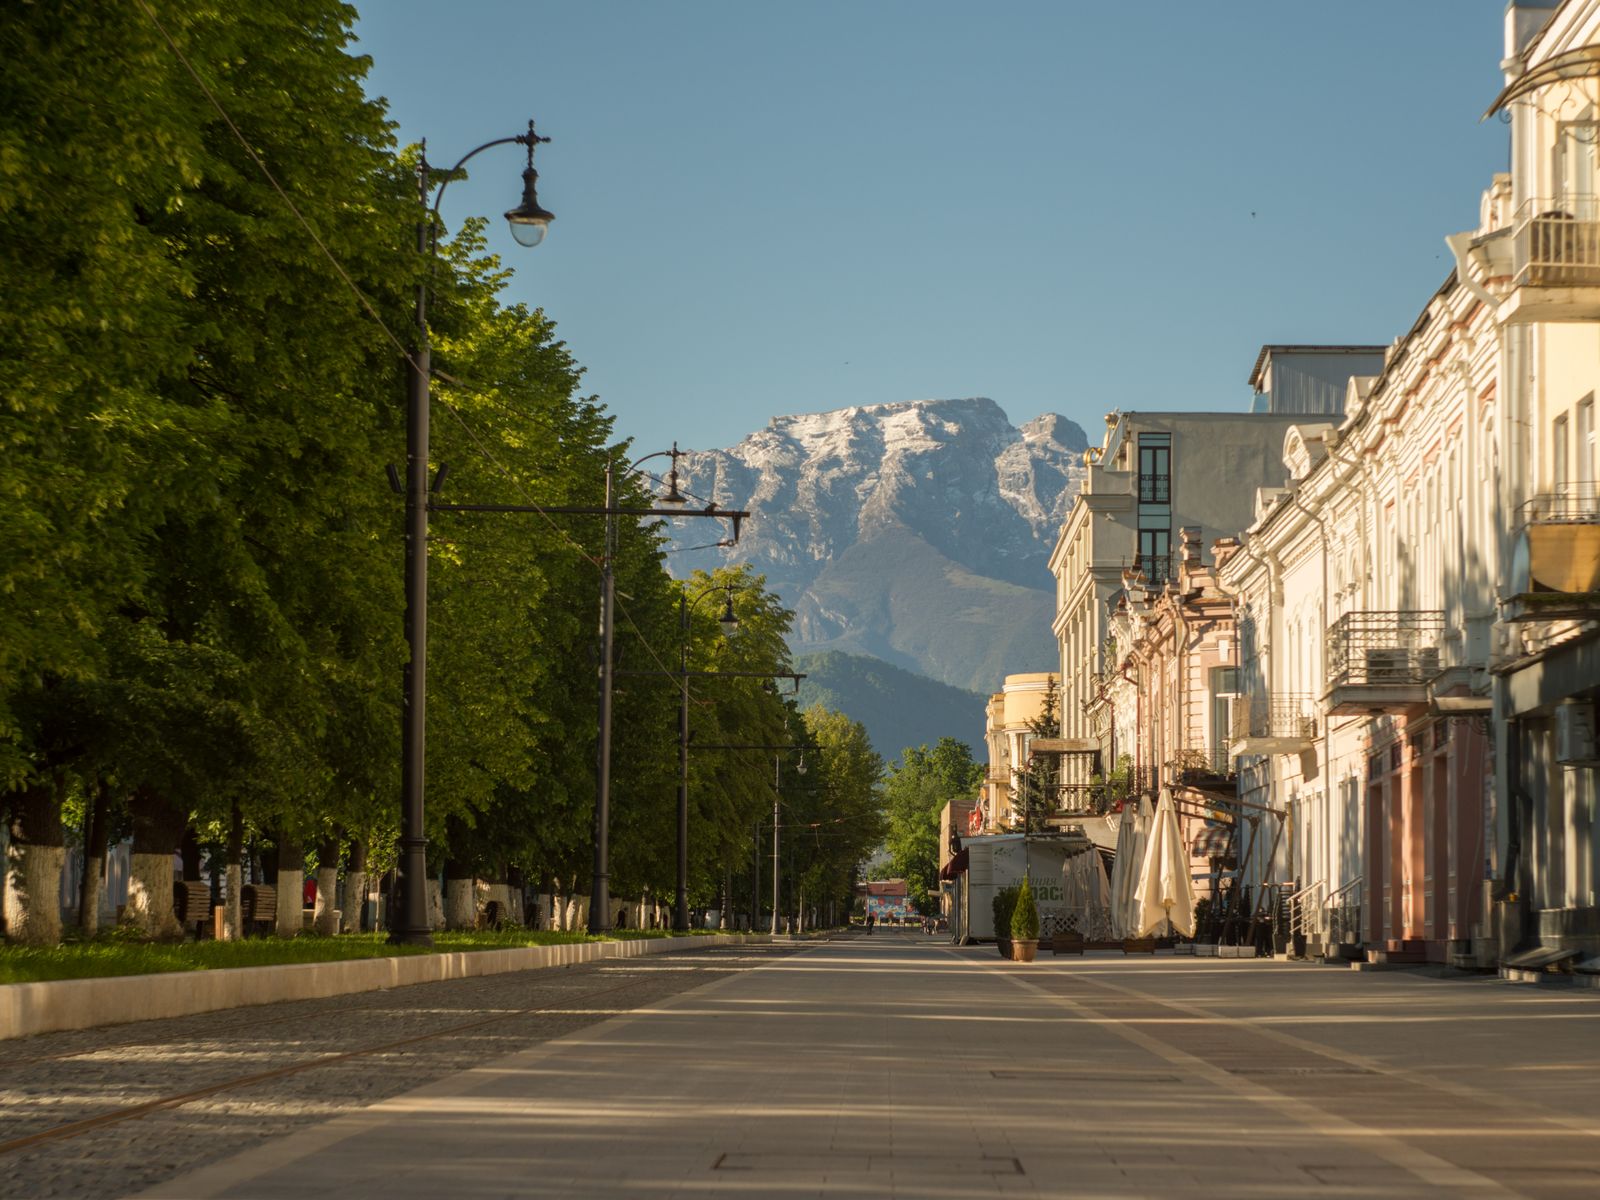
917, 532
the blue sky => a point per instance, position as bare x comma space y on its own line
770, 208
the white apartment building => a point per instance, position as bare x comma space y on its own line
1535, 260
1418, 603
1364, 609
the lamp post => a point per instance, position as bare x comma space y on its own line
729, 621
777, 783
528, 223
600, 886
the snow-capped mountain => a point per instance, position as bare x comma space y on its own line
918, 532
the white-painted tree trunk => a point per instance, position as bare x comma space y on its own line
435, 905
499, 893
291, 896
149, 907
460, 904
232, 906
33, 893
326, 916
355, 900
94, 881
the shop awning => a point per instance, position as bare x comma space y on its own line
956, 866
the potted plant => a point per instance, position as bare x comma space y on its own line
1005, 902
1025, 925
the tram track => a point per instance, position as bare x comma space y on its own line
121, 1113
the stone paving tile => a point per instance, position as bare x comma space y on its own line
52, 1079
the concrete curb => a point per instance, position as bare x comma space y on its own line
62, 1004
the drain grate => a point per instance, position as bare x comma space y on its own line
835, 1163
1046, 1074
1296, 1071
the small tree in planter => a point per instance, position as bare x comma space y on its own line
1005, 903
1025, 925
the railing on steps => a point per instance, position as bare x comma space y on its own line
1343, 909
1304, 909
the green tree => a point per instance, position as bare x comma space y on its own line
918, 787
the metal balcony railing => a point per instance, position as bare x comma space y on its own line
1199, 765
1566, 504
1097, 796
1155, 489
1379, 649
1155, 569
1556, 242
1281, 716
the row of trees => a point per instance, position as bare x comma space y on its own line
200, 556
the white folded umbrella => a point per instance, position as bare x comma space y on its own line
1125, 871
1165, 892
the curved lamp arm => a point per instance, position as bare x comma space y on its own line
529, 139
673, 496
689, 607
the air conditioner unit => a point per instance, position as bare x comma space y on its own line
1575, 737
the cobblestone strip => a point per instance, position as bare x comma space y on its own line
53, 1079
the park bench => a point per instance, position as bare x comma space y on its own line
258, 905
191, 904
1070, 942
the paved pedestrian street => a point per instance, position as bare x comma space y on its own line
893, 1065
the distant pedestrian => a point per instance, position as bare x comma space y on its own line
869, 924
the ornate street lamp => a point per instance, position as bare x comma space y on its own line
528, 224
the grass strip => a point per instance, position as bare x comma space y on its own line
120, 955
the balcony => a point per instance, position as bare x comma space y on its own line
1204, 770
1555, 260
1153, 569
1556, 564
1277, 724
1382, 662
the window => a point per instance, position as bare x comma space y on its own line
1155, 554
1577, 167
1558, 455
1586, 443
1155, 468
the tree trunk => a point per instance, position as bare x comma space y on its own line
189, 848
435, 904
94, 860
35, 857
291, 882
158, 826
460, 905
232, 899
325, 911
517, 889
355, 886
